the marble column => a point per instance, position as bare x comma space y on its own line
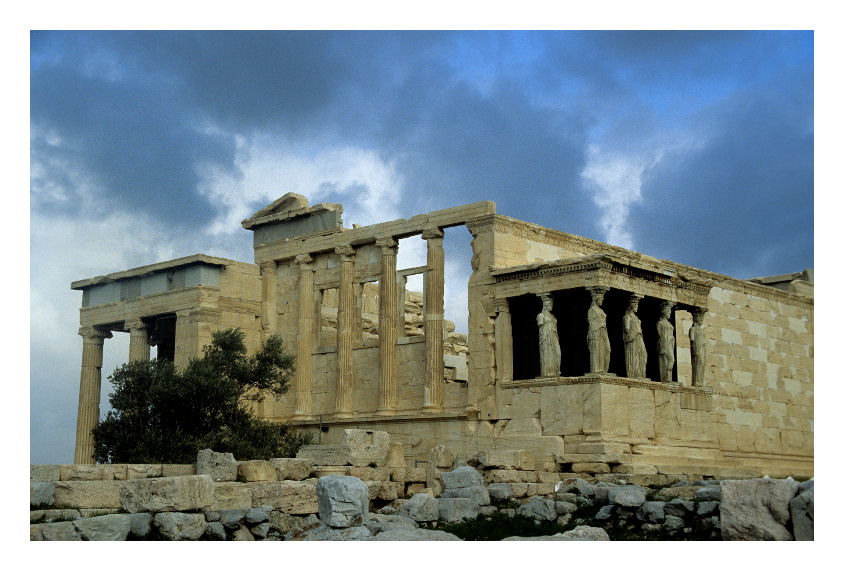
345, 330
305, 338
665, 343
138, 340
504, 342
269, 285
597, 338
387, 318
88, 414
697, 343
433, 319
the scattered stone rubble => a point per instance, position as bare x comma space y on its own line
367, 496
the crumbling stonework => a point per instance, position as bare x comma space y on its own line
707, 376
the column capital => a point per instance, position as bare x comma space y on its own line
432, 233
634, 296
136, 323
699, 314
386, 242
268, 265
346, 252
597, 289
303, 259
667, 305
94, 333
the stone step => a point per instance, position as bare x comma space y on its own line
604, 458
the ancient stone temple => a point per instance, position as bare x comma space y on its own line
592, 357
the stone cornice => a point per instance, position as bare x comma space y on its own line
158, 267
607, 380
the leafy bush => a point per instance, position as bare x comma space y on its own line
161, 415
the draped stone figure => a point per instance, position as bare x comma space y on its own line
697, 340
635, 354
665, 344
549, 341
597, 337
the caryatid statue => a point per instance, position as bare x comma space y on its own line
635, 354
665, 343
697, 341
549, 341
597, 337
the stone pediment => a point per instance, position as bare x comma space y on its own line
289, 206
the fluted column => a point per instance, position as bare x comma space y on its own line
504, 342
697, 344
268, 299
88, 413
138, 340
434, 292
387, 319
345, 330
305, 344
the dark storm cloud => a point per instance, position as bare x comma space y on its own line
742, 202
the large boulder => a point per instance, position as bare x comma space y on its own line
60, 531
405, 534
756, 509
539, 508
343, 501
629, 496
477, 494
380, 522
179, 493
41, 494
802, 509
328, 533
421, 507
586, 533
177, 526
462, 477
140, 524
219, 466
112, 527
453, 510
367, 447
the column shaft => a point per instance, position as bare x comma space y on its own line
268, 299
304, 346
504, 342
138, 340
387, 319
433, 319
88, 413
345, 331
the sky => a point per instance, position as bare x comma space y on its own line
693, 146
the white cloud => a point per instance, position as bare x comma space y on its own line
369, 187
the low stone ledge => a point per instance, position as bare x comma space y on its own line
180, 493
44, 472
255, 471
87, 494
292, 468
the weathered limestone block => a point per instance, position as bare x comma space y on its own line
177, 526
539, 508
388, 491
231, 495
94, 512
756, 509
35, 533
328, 533
81, 494
41, 494
232, 519
61, 531
60, 515
256, 516
380, 522
453, 510
256, 471
395, 457
709, 493
802, 509
478, 494
140, 524
504, 460
299, 498
421, 507
441, 457
367, 447
167, 494
292, 468
242, 534
367, 473
408, 475
402, 534
462, 477
628, 496
343, 501
219, 466
172, 470
591, 467
215, 531
138, 471
652, 512
114, 527
500, 491
495, 476
44, 472
267, 494
320, 471
416, 488
326, 454
81, 472
681, 492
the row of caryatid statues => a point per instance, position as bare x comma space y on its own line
635, 354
